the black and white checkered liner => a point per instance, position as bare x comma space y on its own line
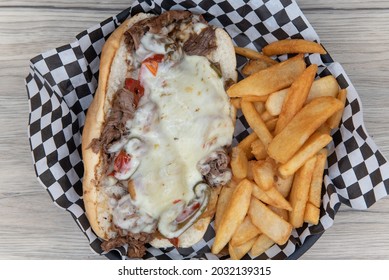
62, 82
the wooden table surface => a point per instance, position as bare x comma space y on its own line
356, 33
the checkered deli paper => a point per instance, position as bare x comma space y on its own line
62, 82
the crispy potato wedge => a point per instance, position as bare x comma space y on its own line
296, 96
300, 192
261, 244
317, 178
266, 116
238, 163
293, 46
245, 232
277, 199
334, 120
283, 213
263, 173
258, 150
275, 101
271, 124
311, 214
233, 216
256, 65
269, 222
259, 106
250, 175
269, 80
251, 54
311, 147
223, 200
254, 98
235, 102
256, 123
326, 86
301, 127
261, 194
238, 252
284, 185
245, 144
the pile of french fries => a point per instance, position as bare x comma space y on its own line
278, 168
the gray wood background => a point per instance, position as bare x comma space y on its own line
355, 32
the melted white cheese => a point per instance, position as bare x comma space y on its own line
183, 117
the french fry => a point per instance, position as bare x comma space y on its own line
324, 128
258, 150
259, 106
238, 252
311, 147
265, 116
283, 213
244, 233
261, 244
256, 65
301, 127
256, 123
334, 120
251, 54
271, 197
269, 80
234, 215
326, 86
250, 175
275, 100
254, 98
317, 178
260, 194
278, 168
235, 102
311, 214
223, 200
284, 185
296, 96
271, 124
292, 46
277, 199
245, 144
299, 193
263, 173
269, 222
239, 163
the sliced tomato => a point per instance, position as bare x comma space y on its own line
152, 63
122, 162
157, 57
176, 201
188, 212
136, 88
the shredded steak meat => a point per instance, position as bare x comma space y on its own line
122, 110
200, 44
136, 243
215, 169
154, 25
